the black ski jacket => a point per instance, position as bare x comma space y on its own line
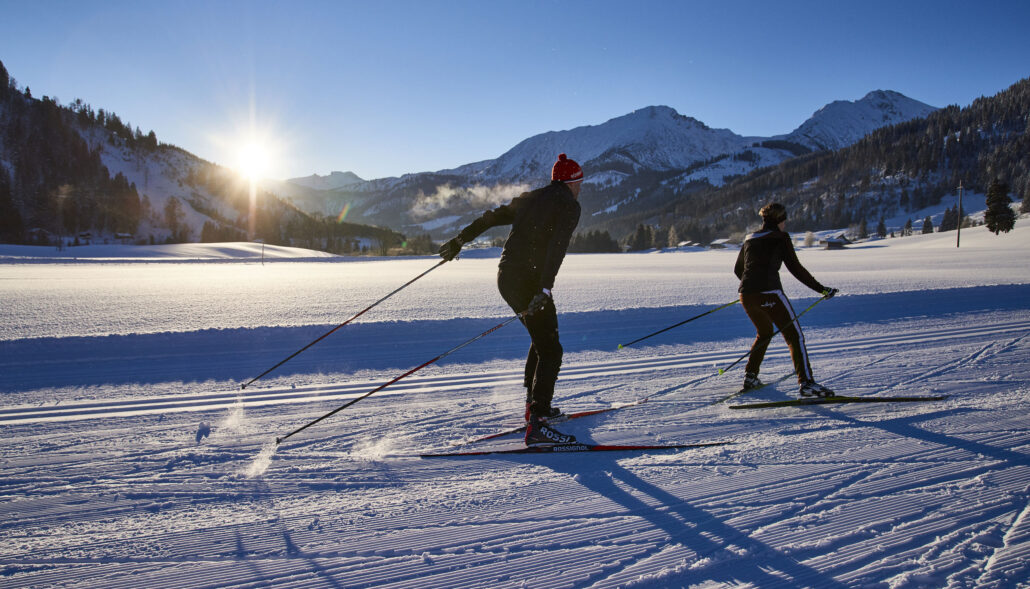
542, 222
759, 260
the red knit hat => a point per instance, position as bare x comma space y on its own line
566, 170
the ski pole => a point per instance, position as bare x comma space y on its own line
708, 312
408, 373
796, 317
326, 334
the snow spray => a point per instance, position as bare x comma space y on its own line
262, 461
233, 420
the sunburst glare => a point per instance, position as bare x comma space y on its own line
252, 160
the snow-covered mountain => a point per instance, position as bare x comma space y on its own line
842, 123
656, 138
648, 141
835, 126
333, 181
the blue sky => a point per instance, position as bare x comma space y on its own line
387, 87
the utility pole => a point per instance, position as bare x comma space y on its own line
958, 232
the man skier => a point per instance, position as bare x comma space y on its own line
542, 222
763, 299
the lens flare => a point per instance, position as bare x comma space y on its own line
343, 213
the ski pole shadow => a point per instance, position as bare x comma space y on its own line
733, 556
262, 496
905, 427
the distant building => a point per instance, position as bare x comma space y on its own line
835, 242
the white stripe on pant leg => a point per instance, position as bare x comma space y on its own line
801, 334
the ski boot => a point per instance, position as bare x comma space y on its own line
810, 388
554, 415
751, 382
540, 433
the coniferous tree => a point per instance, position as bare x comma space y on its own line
641, 238
927, 225
908, 228
1024, 207
173, 217
11, 229
594, 242
881, 228
949, 222
999, 216
5, 82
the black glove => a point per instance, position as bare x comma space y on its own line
539, 301
451, 249
829, 292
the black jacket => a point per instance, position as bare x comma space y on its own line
542, 222
759, 260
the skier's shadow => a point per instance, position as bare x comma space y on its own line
734, 555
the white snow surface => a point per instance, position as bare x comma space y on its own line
131, 458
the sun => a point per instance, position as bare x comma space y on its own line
252, 160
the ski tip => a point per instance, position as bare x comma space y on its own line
620, 346
721, 371
278, 441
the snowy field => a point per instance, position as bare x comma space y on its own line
130, 458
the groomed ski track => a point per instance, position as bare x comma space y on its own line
619, 365
128, 493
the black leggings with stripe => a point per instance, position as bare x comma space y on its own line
770, 311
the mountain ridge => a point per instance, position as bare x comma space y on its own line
651, 140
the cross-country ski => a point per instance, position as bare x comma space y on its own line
573, 448
563, 418
835, 400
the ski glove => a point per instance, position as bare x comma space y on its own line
451, 249
829, 292
539, 301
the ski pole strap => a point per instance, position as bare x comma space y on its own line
796, 317
331, 331
708, 312
406, 374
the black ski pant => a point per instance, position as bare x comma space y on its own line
769, 311
543, 362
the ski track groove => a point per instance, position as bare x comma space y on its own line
675, 513
1009, 557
